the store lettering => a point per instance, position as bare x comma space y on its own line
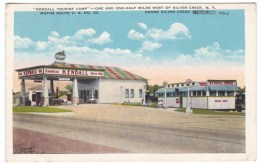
221, 83
30, 72
68, 72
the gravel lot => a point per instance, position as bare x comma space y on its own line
157, 116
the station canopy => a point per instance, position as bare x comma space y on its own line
66, 70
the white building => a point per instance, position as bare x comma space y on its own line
212, 94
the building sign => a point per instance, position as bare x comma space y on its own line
188, 82
222, 83
57, 71
31, 72
202, 83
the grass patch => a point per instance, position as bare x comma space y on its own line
153, 105
18, 109
211, 112
132, 104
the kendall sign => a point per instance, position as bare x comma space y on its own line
64, 72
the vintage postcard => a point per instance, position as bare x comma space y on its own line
130, 82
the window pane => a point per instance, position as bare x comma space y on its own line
221, 93
230, 93
132, 93
140, 93
212, 93
127, 93
96, 94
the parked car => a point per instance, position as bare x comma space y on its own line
91, 100
55, 101
240, 102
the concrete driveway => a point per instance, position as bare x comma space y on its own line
167, 117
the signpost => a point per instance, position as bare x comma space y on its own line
188, 84
144, 95
165, 98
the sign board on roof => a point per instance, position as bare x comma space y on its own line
57, 71
202, 83
30, 72
217, 82
164, 84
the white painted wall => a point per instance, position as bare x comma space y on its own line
110, 90
210, 102
185, 102
221, 102
33, 103
171, 101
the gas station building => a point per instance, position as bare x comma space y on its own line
106, 84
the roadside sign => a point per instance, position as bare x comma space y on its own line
188, 82
164, 84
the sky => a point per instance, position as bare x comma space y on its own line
161, 47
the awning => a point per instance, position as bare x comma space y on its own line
169, 90
201, 88
198, 88
223, 88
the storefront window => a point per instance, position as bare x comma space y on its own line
96, 94
230, 93
127, 93
199, 93
140, 93
132, 93
161, 94
194, 93
203, 93
212, 93
221, 93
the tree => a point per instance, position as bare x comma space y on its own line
69, 87
241, 90
153, 88
156, 87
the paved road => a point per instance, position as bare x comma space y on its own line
136, 138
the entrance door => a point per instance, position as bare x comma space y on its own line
180, 101
84, 96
